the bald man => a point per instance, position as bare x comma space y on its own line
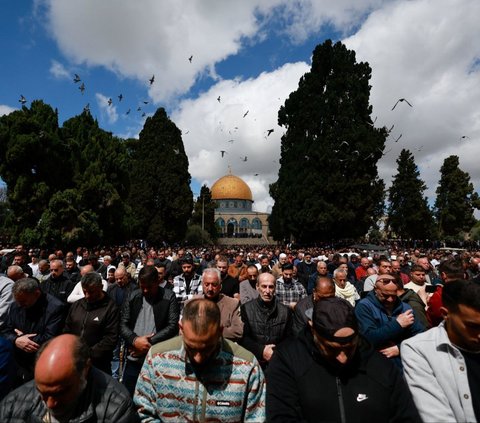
67, 388
324, 287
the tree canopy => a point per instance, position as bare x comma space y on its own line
328, 186
409, 216
456, 200
161, 199
78, 184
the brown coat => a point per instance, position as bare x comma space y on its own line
239, 273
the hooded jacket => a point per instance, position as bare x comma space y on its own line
304, 387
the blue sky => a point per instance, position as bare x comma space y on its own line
251, 54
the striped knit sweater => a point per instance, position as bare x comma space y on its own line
230, 389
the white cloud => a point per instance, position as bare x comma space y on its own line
6, 110
209, 126
58, 70
107, 111
138, 39
425, 51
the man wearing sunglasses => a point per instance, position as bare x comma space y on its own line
385, 320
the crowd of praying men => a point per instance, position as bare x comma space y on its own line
239, 334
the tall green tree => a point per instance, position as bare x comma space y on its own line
161, 198
66, 185
204, 212
101, 178
456, 200
328, 186
34, 163
409, 216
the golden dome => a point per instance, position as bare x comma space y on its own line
231, 187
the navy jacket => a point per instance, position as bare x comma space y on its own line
380, 328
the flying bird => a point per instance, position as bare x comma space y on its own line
400, 136
109, 102
87, 108
152, 79
22, 100
145, 102
187, 132
139, 108
76, 78
401, 100
244, 159
128, 112
344, 142
464, 137
190, 58
82, 88
269, 131
256, 174
230, 141
143, 114
391, 128
176, 151
218, 99
120, 97
246, 113
222, 152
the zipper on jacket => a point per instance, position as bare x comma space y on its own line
340, 401
83, 323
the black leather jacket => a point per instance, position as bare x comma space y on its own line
166, 314
104, 400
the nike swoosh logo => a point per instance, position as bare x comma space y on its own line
361, 397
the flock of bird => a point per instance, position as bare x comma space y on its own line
81, 86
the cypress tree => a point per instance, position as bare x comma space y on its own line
328, 185
456, 200
161, 198
409, 216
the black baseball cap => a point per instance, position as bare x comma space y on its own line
332, 314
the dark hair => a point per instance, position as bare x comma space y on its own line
201, 313
287, 266
397, 280
81, 353
466, 292
417, 268
452, 267
26, 285
223, 259
148, 274
383, 259
91, 279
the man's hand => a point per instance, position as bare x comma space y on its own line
406, 319
391, 352
268, 351
142, 344
24, 343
